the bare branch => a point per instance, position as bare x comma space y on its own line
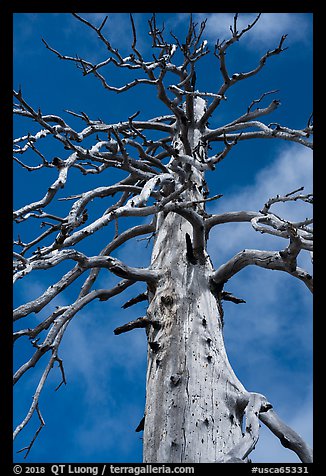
127, 272
287, 198
36, 397
229, 297
288, 437
230, 217
265, 222
265, 259
54, 335
220, 49
63, 380
115, 52
39, 303
115, 243
42, 423
273, 225
258, 408
127, 210
52, 190
140, 298
56, 257
256, 101
264, 132
140, 323
250, 115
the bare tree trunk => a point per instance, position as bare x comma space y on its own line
192, 412
193, 398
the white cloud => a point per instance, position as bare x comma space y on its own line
93, 353
302, 418
267, 31
31, 288
109, 373
291, 170
110, 431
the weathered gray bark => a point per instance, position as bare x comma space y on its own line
192, 399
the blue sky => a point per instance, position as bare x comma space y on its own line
269, 339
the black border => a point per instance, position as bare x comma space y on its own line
6, 190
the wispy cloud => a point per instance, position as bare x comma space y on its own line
268, 30
93, 353
117, 28
109, 373
31, 288
291, 170
109, 432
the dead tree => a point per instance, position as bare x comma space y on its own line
196, 408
